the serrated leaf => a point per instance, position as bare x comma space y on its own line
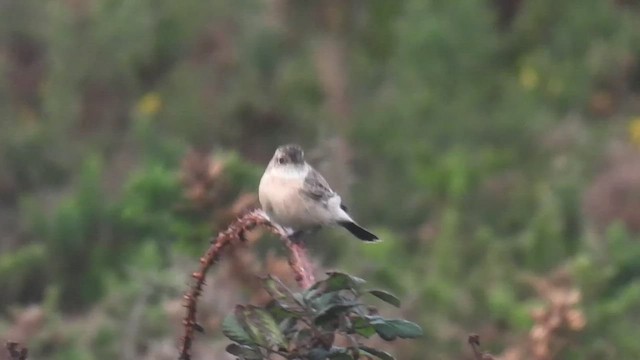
386, 297
261, 322
377, 353
234, 330
244, 352
282, 295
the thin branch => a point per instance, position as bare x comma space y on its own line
474, 342
235, 233
300, 263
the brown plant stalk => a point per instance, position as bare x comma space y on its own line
298, 261
478, 354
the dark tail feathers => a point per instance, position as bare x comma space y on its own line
358, 231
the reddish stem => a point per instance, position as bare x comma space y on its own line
300, 264
298, 261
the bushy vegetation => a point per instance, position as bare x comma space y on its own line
492, 144
307, 325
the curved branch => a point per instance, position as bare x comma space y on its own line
474, 342
298, 261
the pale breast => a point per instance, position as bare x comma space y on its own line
282, 200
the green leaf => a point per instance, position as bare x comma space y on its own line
406, 329
282, 295
377, 353
335, 282
362, 327
288, 326
384, 330
264, 327
244, 352
332, 312
318, 354
234, 330
386, 297
251, 327
390, 329
336, 353
277, 312
323, 300
234, 349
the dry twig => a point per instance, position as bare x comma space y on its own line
235, 232
555, 319
300, 263
560, 315
474, 341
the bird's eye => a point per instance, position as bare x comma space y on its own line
281, 160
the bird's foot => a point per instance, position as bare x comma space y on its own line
296, 236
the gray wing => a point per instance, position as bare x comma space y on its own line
317, 188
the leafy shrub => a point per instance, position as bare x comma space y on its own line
306, 325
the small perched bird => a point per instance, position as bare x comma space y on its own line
294, 195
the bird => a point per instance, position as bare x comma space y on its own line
296, 196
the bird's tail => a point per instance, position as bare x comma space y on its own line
358, 231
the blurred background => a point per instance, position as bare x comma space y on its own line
493, 144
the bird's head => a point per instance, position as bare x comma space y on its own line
288, 155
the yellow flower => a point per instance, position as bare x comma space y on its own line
634, 130
149, 104
529, 78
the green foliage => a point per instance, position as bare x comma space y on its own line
19, 270
91, 237
305, 325
148, 206
474, 139
29, 159
71, 234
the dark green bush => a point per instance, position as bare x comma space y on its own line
306, 325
